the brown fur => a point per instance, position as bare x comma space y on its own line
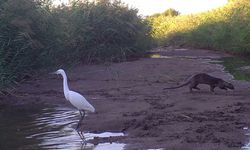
203, 78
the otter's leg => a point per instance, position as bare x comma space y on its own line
190, 89
193, 85
222, 86
197, 88
212, 88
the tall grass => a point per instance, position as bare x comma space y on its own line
35, 35
21, 41
226, 28
104, 31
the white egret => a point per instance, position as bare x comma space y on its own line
75, 99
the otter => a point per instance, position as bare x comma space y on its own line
203, 78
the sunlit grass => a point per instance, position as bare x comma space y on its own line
226, 28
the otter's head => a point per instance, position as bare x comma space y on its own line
229, 85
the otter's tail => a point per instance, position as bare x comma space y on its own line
184, 84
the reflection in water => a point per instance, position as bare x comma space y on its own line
246, 146
47, 129
158, 56
234, 64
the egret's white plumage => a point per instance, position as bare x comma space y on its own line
80, 102
76, 100
73, 97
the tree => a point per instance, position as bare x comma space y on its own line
171, 12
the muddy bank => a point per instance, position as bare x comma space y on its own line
129, 98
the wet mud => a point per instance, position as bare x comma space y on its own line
129, 98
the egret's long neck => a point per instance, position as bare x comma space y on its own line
65, 86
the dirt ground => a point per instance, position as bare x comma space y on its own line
129, 97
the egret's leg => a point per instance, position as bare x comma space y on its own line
79, 123
82, 116
81, 136
80, 113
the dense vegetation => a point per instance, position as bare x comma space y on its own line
34, 35
226, 28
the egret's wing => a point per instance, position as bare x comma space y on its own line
80, 102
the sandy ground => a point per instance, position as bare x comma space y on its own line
129, 98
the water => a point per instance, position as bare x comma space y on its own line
239, 67
246, 146
234, 64
50, 128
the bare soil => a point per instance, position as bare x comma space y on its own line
129, 98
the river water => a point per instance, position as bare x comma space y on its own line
49, 128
